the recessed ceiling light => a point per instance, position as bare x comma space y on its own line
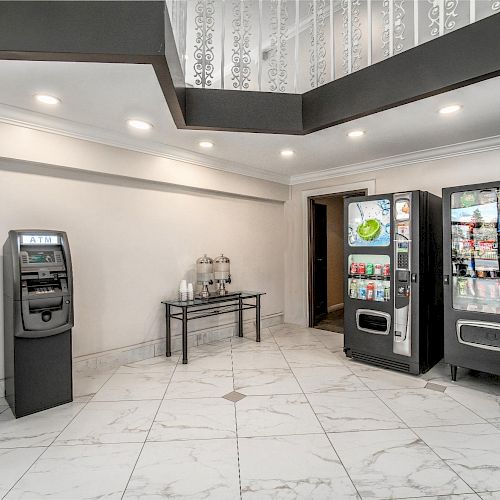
446, 110
47, 99
206, 144
287, 152
356, 133
139, 124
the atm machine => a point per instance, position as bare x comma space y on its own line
393, 313
38, 317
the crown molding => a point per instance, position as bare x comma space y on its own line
20, 117
403, 160
37, 121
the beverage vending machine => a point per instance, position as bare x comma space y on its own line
393, 280
471, 217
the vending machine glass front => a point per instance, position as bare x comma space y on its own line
474, 250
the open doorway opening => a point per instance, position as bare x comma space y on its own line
326, 260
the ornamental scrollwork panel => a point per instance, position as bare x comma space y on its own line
317, 48
278, 70
204, 43
241, 53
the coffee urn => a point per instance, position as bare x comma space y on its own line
222, 273
205, 275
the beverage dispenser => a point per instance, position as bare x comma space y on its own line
222, 273
205, 274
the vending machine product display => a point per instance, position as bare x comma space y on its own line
38, 317
471, 216
393, 290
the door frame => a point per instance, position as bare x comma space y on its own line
311, 259
368, 186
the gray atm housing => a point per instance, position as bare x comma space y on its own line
38, 317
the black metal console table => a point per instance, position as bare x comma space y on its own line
211, 306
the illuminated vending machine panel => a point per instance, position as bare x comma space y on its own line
370, 223
402, 282
474, 251
369, 277
369, 274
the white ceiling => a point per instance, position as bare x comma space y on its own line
97, 99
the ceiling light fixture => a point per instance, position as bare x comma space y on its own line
446, 110
47, 99
287, 153
206, 144
356, 133
139, 124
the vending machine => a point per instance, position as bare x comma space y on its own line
393, 313
471, 216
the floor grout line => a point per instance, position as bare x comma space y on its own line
420, 439
149, 431
197, 373
83, 404
236, 427
324, 432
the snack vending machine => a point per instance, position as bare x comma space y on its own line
472, 277
393, 280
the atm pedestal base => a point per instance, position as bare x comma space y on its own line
41, 375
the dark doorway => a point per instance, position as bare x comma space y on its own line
326, 264
319, 261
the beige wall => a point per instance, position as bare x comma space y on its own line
429, 176
72, 154
133, 240
335, 248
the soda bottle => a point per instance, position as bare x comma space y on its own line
387, 291
354, 268
369, 269
361, 268
379, 292
353, 289
362, 290
370, 291
462, 287
378, 269
387, 270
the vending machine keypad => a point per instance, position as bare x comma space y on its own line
403, 261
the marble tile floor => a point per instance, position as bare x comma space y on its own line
310, 424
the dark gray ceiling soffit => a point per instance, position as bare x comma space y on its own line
139, 32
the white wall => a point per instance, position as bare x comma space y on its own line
428, 176
132, 241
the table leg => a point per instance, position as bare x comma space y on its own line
168, 332
257, 318
184, 337
240, 318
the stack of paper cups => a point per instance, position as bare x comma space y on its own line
183, 290
190, 291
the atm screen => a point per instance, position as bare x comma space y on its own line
40, 256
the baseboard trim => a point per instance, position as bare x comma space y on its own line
117, 357
335, 307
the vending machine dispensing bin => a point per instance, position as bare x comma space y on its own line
393, 290
471, 217
38, 317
